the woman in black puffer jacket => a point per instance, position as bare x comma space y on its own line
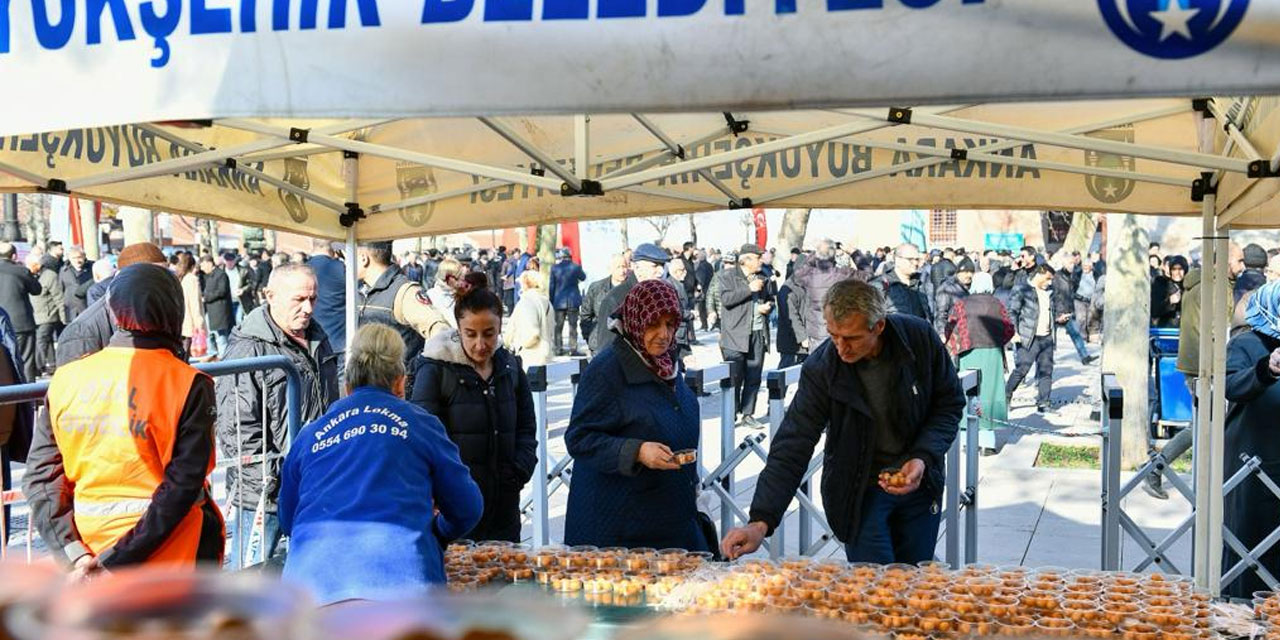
480, 392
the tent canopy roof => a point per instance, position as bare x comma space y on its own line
413, 177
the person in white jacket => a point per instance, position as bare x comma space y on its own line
530, 329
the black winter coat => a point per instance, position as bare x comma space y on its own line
1024, 309
812, 280
75, 288
492, 423
587, 314
948, 295
790, 329
1253, 401
738, 309
905, 298
258, 336
217, 301
88, 333
601, 336
17, 285
830, 399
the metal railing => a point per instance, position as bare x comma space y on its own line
720, 479
548, 478
1116, 523
36, 391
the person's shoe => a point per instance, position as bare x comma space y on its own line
1089, 359
1154, 486
1042, 407
750, 422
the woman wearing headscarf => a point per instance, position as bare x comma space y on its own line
632, 412
1253, 365
977, 330
374, 489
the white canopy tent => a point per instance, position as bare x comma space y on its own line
686, 104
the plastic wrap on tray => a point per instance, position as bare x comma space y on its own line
444, 616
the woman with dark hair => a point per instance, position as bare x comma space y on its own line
480, 392
1166, 293
632, 413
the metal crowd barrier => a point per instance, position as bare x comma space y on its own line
548, 478
1116, 523
36, 391
720, 479
957, 499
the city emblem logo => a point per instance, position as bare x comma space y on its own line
1173, 29
415, 180
1107, 189
295, 173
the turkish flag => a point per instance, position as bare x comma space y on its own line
73, 215
570, 238
762, 227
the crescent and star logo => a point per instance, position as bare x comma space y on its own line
1173, 29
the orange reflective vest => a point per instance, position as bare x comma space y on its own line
115, 418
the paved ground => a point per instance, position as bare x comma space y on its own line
1026, 515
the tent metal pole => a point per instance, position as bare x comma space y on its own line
674, 148
668, 154
1222, 301
1202, 406
581, 146
706, 162
676, 195
242, 167
1233, 131
1275, 162
435, 197
300, 151
186, 163
383, 151
1072, 141
23, 174
351, 177
547, 162
987, 148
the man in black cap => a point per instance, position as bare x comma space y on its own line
648, 262
745, 304
1254, 276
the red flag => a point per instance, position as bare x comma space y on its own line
77, 229
762, 227
570, 238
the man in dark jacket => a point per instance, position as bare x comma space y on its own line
791, 305
690, 278
703, 272
1064, 311
953, 290
76, 278
1031, 307
647, 263
886, 390
16, 419
48, 309
813, 277
91, 330
252, 408
17, 285
1253, 276
901, 284
217, 305
566, 299
391, 298
745, 305
619, 270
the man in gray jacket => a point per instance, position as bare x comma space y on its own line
253, 411
745, 305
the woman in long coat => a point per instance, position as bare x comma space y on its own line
978, 328
1251, 511
632, 412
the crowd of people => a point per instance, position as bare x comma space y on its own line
420, 429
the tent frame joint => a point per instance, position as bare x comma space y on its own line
1202, 105
1262, 169
1203, 186
350, 155
899, 115
55, 185
589, 188
745, 203
354, 212
298, 135
736, 126
230, 163
959, 154
535, 170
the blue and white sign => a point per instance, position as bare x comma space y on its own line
191, 59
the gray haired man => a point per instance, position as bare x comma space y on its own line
884, 391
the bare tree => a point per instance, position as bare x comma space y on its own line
693, 230
661, 225
795, 223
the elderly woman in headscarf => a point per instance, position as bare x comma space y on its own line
1253, 366
632, 414
977, 330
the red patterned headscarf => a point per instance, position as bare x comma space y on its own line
645, 305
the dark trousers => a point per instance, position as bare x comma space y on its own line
1040, 353
570, 315
46, 353
791, 359
895, 528
27, 354
702, 312
747, 387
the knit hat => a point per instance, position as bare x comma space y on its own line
143, 252
1255, 257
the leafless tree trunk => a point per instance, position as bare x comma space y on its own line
795, 223
1080, 235
661, 225
548, 236
693, 230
